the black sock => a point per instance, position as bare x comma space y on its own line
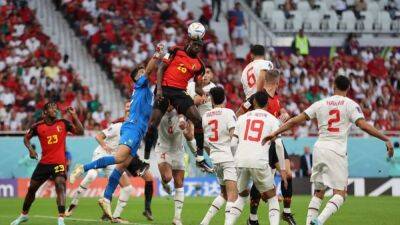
148, 194
61, 209
255, 197
199, 136
149, 140
287, 193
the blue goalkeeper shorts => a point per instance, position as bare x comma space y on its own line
131, 136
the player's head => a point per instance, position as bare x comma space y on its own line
194, 47
260, 99
208, 75
50, 110
341, 84
257, 51
217, 95
138, 72
272, 77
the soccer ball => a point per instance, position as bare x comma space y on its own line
196, 31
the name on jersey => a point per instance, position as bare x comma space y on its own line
257, 114
214, 113
335, 103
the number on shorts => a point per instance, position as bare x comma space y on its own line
59, 168
336, 118
214, 129
251, 78
255, 126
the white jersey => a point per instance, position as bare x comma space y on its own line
191, 89
334, 116
251, 128
216, 124
251, 73
112, 134
170, 136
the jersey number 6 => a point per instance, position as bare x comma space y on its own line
251, 78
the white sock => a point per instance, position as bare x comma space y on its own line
228, 208
179, 199
313, 209
253, 217
287, 210
274, 216
216, 205
331, 207
235, 211
192, 145
89, 178
124, 195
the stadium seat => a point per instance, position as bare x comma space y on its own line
348, 21
373, 6
278, 20
367, 22
267, 8
383, 22
329, 21
297, 20
303, 6
312, 21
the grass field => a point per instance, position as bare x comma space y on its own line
356, 211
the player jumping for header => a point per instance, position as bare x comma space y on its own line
334, 116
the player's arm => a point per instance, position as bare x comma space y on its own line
152, 64
76, 127
27, 142
100, 138
160, 75
261, 80
198, 81
284, 115
365, 126
280, 152
286, 126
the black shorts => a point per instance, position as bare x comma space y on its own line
134, 166
273, 157
49, 171
178, 98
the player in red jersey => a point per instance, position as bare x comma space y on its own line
52, 134
179, 66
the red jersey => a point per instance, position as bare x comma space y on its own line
274, 106
181, 68
52, 140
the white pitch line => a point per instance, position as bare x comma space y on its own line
81, 219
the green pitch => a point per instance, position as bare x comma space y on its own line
356, 211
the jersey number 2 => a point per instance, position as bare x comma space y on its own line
214, 130
251, 78
255, 126
335, 113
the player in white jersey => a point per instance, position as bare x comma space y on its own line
170, 156
251, 73
219, 125
334, 115
252, 158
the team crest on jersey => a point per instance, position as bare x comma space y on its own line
59, 128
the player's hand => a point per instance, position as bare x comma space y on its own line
284, 117
284, 178
389, 148
268, 138
71, 111
33, 154
182, 123
159, 50
159, 95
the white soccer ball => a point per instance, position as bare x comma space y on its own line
196, 31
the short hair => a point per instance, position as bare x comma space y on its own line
342, 83
261, 98
257, 50
396, 144
136, 70
272, 75
48, 105
217, 95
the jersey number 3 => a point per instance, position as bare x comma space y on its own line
255, 126
214, 130
334, 118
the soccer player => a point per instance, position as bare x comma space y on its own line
219, 124
251, 158
132, 132
52, 133
177, 68
334, 116
269, 83
170, 157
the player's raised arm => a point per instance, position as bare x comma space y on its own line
76, 127
27, 142
198, 81
152, 64
261, 80
363, 125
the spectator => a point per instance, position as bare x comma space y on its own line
339, 6
182, 12
206, 15
98, 115
359, 6
7, 97
52, 71
95, 104
393, 7
216, 5
288, 6
236, 18
300, 43
306, 162
351, 45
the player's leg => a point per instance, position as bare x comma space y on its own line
255, 197
61, 188
273, 205
124, 194
189, 136
237, 208
87, 180
331, 207
315, 202
34, 185
148, 194
264, 181
216, 205
165, 168
287, 193
179, 198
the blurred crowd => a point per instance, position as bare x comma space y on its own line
121, 34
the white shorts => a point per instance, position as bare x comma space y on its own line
329, 170
225, 171
175, 159
97, 154
263, 179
